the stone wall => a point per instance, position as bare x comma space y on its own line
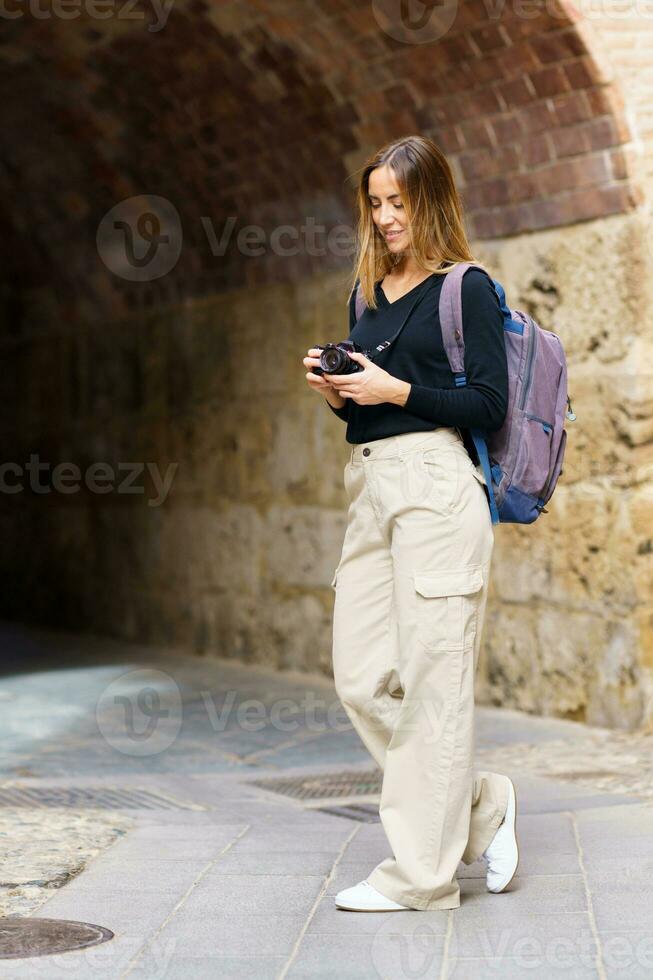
236, 556
570, 620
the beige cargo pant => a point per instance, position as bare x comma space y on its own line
410, 595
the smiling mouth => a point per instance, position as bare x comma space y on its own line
392, 234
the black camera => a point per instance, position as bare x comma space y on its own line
334, 358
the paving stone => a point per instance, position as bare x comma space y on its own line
334, 921
204, 967
111, 909
254, 894
541, 894
138, 876
105, 961
512, 727
577, 802
134, 853
553, 935
627, 953
348, 873
623, 884
230, 933
283, 843
623, 913
366, 851
531, 862
240, 862
517, 969
368, 955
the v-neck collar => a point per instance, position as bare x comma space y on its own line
410, 292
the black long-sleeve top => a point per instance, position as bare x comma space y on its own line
418, 357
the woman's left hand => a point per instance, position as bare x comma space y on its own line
371, 386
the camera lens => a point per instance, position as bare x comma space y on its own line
333, 360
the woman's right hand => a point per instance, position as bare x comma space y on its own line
319, 383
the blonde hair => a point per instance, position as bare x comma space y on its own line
433, 208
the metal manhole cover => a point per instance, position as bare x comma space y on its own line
326, 785
103, 798
21, 937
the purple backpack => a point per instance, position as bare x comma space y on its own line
522, 460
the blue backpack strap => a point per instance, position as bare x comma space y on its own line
481, 448
499, 290
451, 322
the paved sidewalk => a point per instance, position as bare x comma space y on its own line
208, 875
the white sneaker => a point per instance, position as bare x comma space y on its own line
364, 897
502, 854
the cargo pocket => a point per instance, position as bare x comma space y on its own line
446, 607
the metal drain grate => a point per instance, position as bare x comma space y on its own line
328, 785
363, 812
21, 937
101, 798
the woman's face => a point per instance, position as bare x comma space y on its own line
387, 208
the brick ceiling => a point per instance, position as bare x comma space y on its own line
263, 111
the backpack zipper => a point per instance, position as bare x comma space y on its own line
548, 427
546, 496
529, 363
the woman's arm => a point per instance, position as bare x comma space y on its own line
342, 411
483, 403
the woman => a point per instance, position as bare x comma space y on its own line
412, 582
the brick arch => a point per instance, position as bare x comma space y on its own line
263, 110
